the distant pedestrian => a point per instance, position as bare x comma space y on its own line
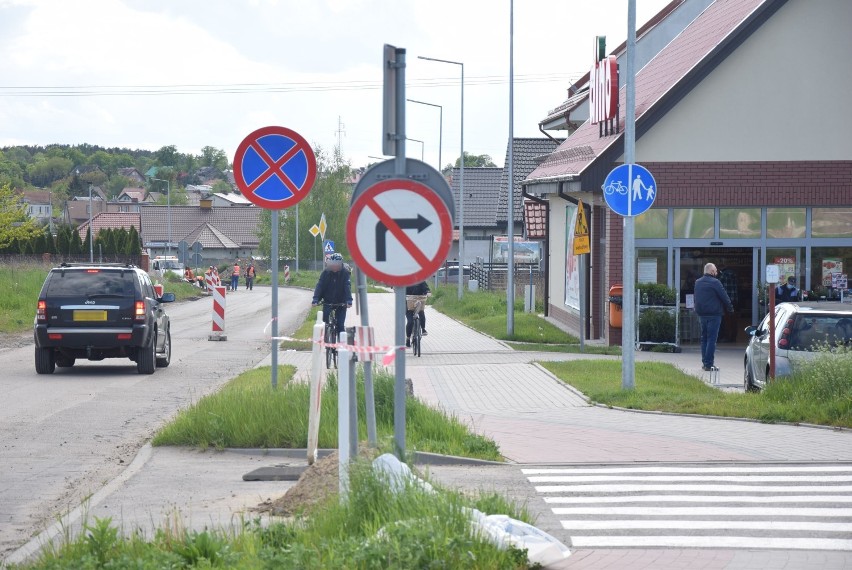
711, 301
235, 276
787, 292
250, 272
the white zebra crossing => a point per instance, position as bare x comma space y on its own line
807, 507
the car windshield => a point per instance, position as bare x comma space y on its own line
811, 331
90, 282
171, 265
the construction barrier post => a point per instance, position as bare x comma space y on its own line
218, 314
316, 391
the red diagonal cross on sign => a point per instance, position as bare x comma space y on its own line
274, 167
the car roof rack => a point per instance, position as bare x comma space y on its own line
76, 264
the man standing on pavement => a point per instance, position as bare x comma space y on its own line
710, 304
235, 276
250, 276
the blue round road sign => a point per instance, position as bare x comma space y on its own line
275, 168
629, 190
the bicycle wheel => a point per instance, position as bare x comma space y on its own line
329, 351
416, 337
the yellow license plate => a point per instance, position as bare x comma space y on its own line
90, 315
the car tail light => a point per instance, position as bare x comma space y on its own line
124, 336
139, 312
54, 336
783, 342
41, 311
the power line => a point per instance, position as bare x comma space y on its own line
241, 88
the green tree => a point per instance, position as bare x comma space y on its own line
471, 161
133, 246
167, 156
211, 156
330, 195
49, 243
75, 247
221, 187
15, 224
63, 240
119, 236
86, 247
116, 184
48, 169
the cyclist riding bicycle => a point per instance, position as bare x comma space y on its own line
421, 289
333, 288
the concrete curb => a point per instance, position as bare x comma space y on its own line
43, 538
420, 457
661, 413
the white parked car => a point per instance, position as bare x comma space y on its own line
800, 329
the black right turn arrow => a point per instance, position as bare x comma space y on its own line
419, 223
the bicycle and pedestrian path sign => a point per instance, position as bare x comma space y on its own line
275, 168
629, 190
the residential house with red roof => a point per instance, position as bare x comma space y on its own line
741, 119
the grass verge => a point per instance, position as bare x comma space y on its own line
818, 394
375, 528
247, 412
568, 348
486, 312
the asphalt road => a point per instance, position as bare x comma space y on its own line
64, 436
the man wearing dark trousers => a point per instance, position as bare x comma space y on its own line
421, 289
711, 300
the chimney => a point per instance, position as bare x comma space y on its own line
206, 203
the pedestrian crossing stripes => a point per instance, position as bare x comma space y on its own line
794, 507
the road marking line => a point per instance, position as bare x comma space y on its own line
751, 469
704, 525
731, 512
691, 478
766, 499
711, 542
581, 489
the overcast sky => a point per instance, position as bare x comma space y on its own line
192, 73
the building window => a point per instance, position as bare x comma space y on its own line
831, 222
694, 223
651, 265
826, 262
785, 222
737, 223
653, 224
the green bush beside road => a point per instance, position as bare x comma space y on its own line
247, 412
820, 393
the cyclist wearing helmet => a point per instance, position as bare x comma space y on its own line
334, 287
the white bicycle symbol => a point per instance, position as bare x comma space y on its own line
616, 186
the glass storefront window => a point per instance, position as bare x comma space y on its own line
785, 222
694, 223
826, 261
651, 265
831, 222
652, 224
737, 223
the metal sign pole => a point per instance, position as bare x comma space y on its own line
627, 330
510, 274
399, 393
274, 260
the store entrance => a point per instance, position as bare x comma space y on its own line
736, 267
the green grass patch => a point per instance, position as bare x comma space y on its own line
486, 312
811, 396
374, 529
247, 412
20, 284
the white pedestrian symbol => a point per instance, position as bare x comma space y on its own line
638, 186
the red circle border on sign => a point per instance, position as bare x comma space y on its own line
368, 198
301, 143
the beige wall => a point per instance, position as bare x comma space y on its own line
557, 251
782, 95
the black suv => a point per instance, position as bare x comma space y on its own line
98, 311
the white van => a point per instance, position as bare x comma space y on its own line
163, 264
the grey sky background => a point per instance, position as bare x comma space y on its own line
192, 73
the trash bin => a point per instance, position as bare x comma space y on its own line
616, 300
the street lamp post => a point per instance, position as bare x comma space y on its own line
422, 145
461, 172
91, 233
440, 127
168, 212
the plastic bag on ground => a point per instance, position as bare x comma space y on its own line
398, 473
505, 531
